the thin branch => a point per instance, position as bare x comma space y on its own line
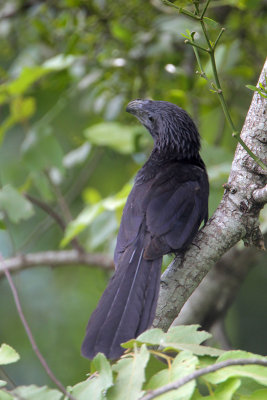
187, 41
29, 332
47, 209
218, 38
56, 258
205, 9
61, 200
53, 214
201, 72
203, 371
180, 9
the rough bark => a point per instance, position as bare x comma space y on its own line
236, 218
217, 291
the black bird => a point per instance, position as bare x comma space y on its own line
163, 212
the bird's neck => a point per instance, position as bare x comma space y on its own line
161, 155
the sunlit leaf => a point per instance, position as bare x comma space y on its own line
33, 392
131, 376
8, 355
77, 156
100, 380
119, 137
89, 213
22, 108
81, 222
183, 364
59, 62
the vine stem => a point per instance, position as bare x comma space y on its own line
29, 332
219, 91
199, 16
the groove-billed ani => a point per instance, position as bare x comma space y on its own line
163, 212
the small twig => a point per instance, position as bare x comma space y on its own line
260, 195
218, 38
61, 201
57, 258
205, 9
187, 41
48, 210
53, 214
203, 371
29, 332
180, 9
201, 72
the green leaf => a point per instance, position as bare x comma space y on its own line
225, 390
14, 204
97, 384
262, 87
150, 337
210, 22
6, 396
81, 222
131, 376
119, 137
77, 156
257, 395
91, 212
256, 372
183, 364
28, 76
33, 392
59, 62
197, 349
8, 355
22, 108
175, 335
3, 383
177, 338
252, 87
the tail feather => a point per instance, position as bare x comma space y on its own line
127, 306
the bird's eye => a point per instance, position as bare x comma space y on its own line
151, 119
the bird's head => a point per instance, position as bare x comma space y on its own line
170, 126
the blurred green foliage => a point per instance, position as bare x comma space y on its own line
67, 70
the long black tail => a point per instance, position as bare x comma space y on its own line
127, 306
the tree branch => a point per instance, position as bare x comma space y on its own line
217, 291
56, 258
236, 218
200, 372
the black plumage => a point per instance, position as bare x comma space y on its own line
163, 212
